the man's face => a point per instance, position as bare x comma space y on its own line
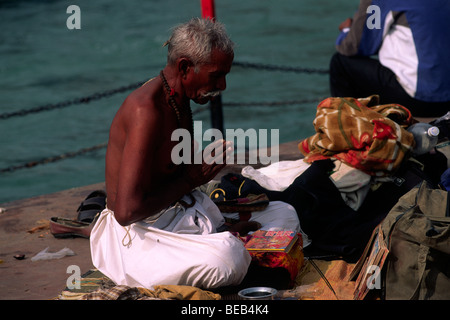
209, 78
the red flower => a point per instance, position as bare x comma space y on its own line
364, 141
383, 131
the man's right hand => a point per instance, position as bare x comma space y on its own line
214, 159
244, 227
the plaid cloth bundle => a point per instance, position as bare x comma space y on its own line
367, 136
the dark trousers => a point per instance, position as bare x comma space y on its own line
359, 77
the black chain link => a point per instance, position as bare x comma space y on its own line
60, 105
271, 67
54, 158
269, 103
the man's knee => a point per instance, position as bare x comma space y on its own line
228, 256
336, 62
277, 216
227, 266
335, 74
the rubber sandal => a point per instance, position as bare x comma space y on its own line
94, 203
88, 214
67, 228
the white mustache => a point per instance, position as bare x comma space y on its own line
211, 94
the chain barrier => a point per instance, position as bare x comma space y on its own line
68, 154
268, 103
60, 105
108, 93
271, 67
63, 156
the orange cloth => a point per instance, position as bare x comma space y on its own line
337, 275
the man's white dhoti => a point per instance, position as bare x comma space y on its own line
182, 247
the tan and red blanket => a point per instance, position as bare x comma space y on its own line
361, 133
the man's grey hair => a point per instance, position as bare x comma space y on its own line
196, 39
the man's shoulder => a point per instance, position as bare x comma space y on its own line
139, 109
144, 99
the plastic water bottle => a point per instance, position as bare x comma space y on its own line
425, 136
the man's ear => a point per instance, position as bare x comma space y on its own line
184, 66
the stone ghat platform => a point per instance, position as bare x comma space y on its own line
24, 231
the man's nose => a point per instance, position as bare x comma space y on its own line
222, 84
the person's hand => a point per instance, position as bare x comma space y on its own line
214, 159
244, 227
347, 23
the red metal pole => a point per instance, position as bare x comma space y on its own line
208, 9
208, 12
